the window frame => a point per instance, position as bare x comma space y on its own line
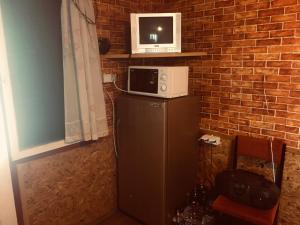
9, 110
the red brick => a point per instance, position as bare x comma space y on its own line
293, 116
233, 37
254, 64
242, 71
279, 64
293, 123
270, 12
222, 57
252, 78
289, 86
225, 3
265, 71
288, 129
262, 125
261, 111
277, 3
273, 120
271, 133
263, 42
231, 50
288, 100
270, 26
296, 65
284, 18
243, 43
282, 33
230, 101
255, 50
257, 35
239, 121
259, 5
267, 56
263, 97
243, 57
262, 20
244, 29
295, 79
224, 17
277, 106
291, 25
252, 104
250, 129
251, 116
217, 129
246, 15
295, 94
291, 144
233, 23
240, 96
289, 71
221, 70
264, 85
292, 9
245, 2
294, 108
294, 137
234, 9
284, 49
290, 41
277, 92
213, 12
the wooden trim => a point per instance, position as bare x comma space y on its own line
54, 151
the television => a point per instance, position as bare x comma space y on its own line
155, 32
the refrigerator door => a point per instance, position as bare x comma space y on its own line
141, 132
183, 131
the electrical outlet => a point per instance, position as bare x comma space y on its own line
210, 139
109, 77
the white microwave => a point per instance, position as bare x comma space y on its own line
158, 81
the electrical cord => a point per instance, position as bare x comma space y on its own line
273, 165
113, 115
271, 142
120, 89
113, 123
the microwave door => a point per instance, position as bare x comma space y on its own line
144, 80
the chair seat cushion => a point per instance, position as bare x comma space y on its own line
243, 212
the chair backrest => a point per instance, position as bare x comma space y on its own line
261, 149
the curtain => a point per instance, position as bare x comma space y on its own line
85, 115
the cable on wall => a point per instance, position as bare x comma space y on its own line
113, 123
272, 138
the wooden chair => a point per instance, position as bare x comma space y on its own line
259, 149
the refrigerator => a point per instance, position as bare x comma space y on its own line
157, 155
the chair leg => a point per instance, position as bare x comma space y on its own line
276, 220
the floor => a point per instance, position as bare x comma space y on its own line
120, 219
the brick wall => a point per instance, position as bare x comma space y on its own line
250, 80
253, 49
253, 56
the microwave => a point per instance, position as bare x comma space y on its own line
158, 81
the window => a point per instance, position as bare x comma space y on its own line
34, 77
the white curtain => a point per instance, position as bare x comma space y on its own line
85, 116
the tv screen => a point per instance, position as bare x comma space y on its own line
156, 30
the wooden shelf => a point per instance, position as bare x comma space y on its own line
154, 55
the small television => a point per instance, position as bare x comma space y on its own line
155, 32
